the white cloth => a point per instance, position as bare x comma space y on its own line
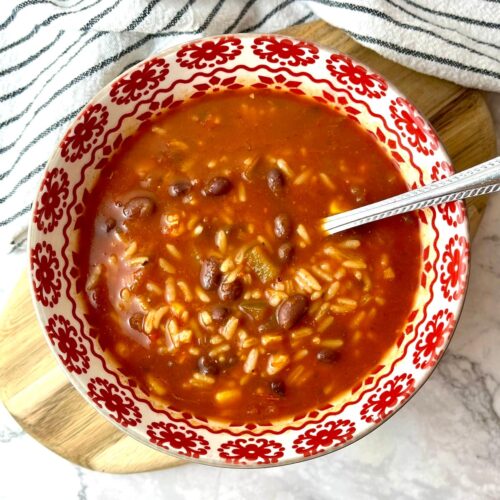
56, 54
457, 40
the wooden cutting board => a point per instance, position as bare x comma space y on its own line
35, 390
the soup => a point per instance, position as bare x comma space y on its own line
208, 279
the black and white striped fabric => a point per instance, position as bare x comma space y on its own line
458, 40
56, 54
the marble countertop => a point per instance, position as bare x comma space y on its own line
445, 443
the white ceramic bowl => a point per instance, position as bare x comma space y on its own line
187, 72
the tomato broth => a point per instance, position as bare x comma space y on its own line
208, 279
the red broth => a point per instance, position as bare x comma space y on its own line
207, 278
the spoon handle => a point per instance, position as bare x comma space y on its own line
482, 179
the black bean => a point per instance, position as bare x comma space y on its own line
282, 226
138, 207
217, 186
230, 291
136, 321
278, 387
285, 252
210, 274
180, 188
208, 366
109, 224
275, 181
291, 311
220, 313
328, 355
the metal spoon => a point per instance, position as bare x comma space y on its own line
482, 179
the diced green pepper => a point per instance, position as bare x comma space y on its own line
271, 325
261, 264
256, 309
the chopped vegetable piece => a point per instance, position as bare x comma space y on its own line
261, 264
270, 325
255, 309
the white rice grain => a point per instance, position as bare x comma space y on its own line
251, 361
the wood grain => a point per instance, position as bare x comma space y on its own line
35, 390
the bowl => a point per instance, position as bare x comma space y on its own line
163, 82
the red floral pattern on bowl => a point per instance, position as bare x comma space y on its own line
356, 77
70, 346
188, 72
144, 79
285, 51
324, 436
252, 450
52, 200
181, 439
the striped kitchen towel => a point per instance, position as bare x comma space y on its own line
56, 54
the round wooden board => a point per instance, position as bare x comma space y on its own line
35, 390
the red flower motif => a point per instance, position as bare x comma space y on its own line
255, 450
133, 86
441, 170
85, 133
279, 82
49, 207
324, 435
174, 438
413, 127
356, 77
431, 342
386, 398
45, 273
454, 212
115, 401
454, 267
209, 53
285, 50
72, 351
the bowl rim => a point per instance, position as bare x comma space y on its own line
75, 380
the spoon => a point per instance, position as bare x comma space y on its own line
482, 179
